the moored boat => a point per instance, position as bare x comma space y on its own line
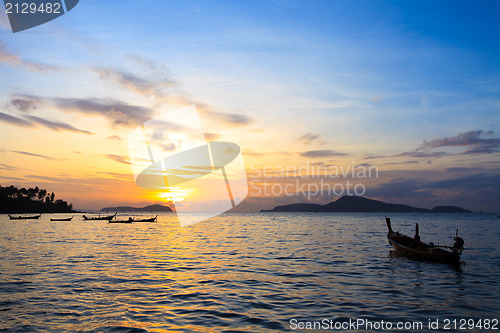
152, 219
413, 248
25, 217
98, 218
121, 221
62, 219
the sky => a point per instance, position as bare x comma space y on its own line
396, 101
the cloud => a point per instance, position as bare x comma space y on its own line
322, 153
154, 81
36, 155
211, 136
158, 80
251, 152
374, 157
84, 41
477, 191
32, 120
231, 118
14, 120
157, 72
8, 167
404, 162
114, 137
122, 176
474, 182
310, 138
362, 165
462, 169
13, 60
402, 187
422, 154
474, 140
103, 183
4, 20
239, 119
56, 126
8, 58
154, 67
119, 113
132, 82
118, 158
23, 105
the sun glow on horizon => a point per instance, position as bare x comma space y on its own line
173, 195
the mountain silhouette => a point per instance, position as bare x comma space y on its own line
363, 205
151, 208
450, 209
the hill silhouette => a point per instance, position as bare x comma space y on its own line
348, 204
449, 209
150, 208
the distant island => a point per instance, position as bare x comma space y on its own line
352, 204
151, 208
15, 200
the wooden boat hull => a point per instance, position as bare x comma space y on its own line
153, 219
36, 217
125, 221
99, 218
413, 248
426, 252
63, 220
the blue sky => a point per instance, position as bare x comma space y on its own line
368, 80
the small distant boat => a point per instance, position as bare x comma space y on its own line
98, 218
152, 219
413, 248
63, 219
121, 221
25, 217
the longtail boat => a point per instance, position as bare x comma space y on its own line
413, 248
152, 219
25, 217
97, 218
121, 221
62, 219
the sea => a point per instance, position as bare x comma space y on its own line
248, 272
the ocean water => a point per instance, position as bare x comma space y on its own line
255, 272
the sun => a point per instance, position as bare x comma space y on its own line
173, 195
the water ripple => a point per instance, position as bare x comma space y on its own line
237, 272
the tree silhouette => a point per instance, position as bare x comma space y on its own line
31, 193
22, 192
31, 200
41, 194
